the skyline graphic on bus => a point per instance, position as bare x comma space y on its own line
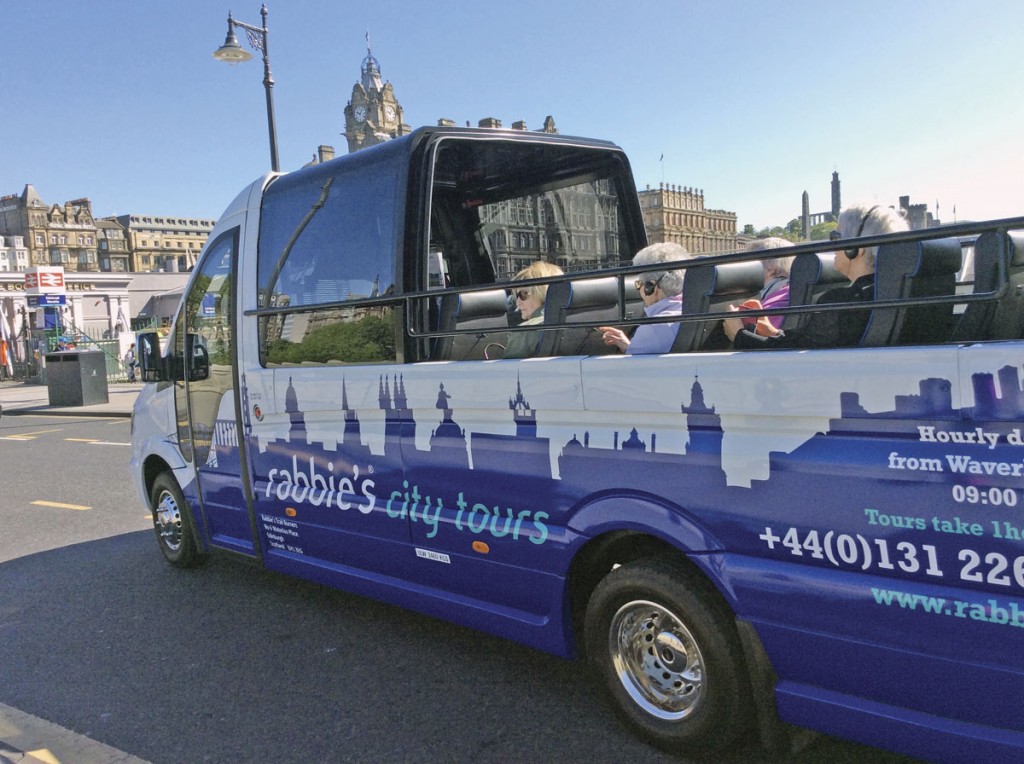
884, 455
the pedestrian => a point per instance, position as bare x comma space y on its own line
130, 363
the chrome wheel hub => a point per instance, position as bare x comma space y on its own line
168, 521
657, 660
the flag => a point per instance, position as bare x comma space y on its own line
661, 158
5, 346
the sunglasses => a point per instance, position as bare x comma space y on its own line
648, 286
522, 295
835, 235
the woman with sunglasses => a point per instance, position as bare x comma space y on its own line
530, 304
662, 293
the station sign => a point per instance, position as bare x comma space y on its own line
46, 300
42, 279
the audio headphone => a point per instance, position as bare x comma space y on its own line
650, 285
852, 251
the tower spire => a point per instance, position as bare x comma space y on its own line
371, 69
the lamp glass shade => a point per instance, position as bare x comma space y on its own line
231, 51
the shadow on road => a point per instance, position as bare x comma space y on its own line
229, 663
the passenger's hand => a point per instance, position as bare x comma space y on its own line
612, 336
732, 326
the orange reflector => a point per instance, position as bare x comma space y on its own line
481, 547
290, 511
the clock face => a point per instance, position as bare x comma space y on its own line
359, 113
389, 112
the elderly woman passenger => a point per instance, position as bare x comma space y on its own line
834, 328
662, 293
530, 304
775, 293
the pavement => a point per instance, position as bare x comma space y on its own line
22, 398
25, 739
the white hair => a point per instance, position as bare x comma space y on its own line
773, 266
671, 282
870, 220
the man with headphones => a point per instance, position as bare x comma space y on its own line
834, 328
662, 293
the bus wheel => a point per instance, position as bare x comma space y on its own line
667, 657
173, 523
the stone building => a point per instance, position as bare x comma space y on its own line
112, 246
163, 243
13, 253
810, 219
373, 115
677, 214
63, 235
918, 216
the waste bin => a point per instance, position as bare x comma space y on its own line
76, 378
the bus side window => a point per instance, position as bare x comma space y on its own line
327, 240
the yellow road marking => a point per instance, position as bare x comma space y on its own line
50, 743
44, 754
81, 440
59, 505
28, 435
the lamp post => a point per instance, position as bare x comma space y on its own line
234, 53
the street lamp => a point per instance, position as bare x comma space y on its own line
234, 53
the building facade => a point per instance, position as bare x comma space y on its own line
677, 214
159, 243
13, 254
59, 235
112, 245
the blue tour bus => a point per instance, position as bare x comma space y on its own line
827, 537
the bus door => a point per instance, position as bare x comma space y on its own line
207, 414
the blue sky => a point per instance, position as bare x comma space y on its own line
122, 102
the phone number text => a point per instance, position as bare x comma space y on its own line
853, 550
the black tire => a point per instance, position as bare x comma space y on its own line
172, 522
667, 656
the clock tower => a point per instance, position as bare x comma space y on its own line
373, 115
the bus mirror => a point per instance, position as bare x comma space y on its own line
151, 361
198, 357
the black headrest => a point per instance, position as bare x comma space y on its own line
738, 278
908, 260
698, 286
593, 293
477, 304
813, 268
986, 258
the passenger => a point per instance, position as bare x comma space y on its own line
530, 304
834, 328
662, 293
775, 293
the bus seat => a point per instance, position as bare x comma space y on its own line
712, 288
577, 301
486, 312
810, 275
1000, 319
914, 269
